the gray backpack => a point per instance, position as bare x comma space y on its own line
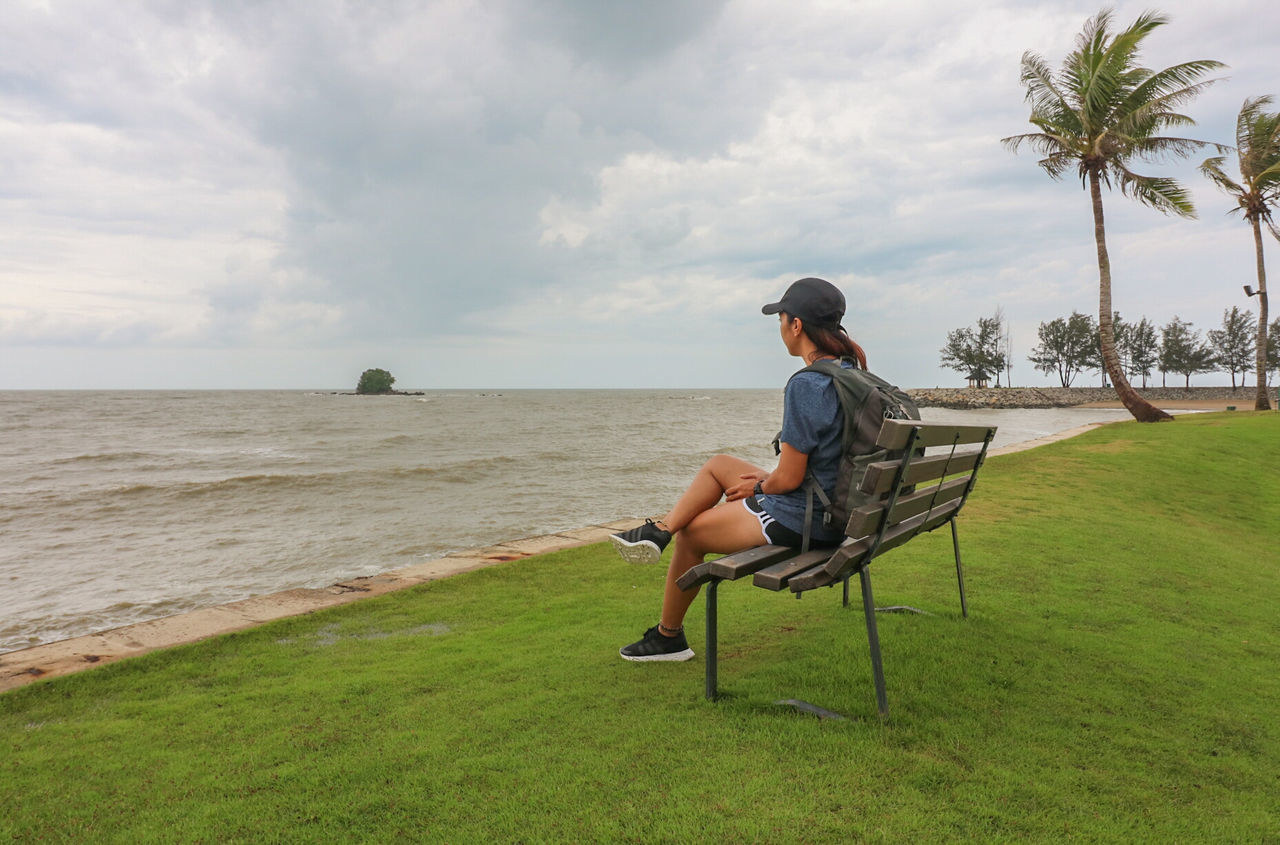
866, 401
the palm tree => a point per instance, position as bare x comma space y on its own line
1258, 145
1097, 114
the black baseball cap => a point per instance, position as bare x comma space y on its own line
815, 301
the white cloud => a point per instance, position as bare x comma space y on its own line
323, 176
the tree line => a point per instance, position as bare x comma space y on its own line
1069, 346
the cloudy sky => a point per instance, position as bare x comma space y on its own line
563, 193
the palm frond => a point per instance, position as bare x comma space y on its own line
1093, 37
1212, 170
1159, 192
1268, 181
1258, 138
1251, 114
1057, 150
1101, 74
1058, 163
1156, 114
1173, 85
1042, 89
1013, 142
1152, 149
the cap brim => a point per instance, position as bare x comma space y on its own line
771, 308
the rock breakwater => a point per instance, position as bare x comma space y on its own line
972, 398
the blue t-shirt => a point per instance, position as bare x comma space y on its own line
811, 423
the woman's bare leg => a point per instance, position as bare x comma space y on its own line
706, 490
721, 530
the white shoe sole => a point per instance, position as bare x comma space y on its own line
674, 657
644, 551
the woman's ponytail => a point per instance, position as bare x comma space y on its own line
836, 342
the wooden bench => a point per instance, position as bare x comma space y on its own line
919, 492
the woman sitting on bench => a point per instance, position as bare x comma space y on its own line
759, 507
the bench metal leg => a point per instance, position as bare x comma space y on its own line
710, 646
873, 639
846, 591
955, 542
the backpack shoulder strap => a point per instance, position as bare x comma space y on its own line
853, 387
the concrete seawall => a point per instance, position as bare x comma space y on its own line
972, 398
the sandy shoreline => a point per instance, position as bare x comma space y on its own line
50, 660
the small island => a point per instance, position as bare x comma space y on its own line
378, 382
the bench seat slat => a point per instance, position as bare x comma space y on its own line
879, 476
697, 575
894, 434
867, 518
734, 566
775, 577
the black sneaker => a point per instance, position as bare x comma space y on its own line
654, 646
643, 544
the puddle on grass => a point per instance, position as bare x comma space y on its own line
329, 635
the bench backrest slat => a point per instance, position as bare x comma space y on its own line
881, 474
894, 434
867, 518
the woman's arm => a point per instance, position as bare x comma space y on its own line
789, 473
787, 476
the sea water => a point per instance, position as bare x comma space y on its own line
118, 507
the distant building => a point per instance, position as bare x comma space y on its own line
978, 378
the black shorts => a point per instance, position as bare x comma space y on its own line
778, 534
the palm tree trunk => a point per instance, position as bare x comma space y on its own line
1262, 402
1142, 410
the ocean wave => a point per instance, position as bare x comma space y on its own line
462, 472
269, 452
102, 458
40, 628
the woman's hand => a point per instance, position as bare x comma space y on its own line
745, 487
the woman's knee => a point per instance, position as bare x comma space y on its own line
717, 463
727, 469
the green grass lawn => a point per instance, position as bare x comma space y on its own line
1118, 680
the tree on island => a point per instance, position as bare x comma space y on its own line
375, 381
1258, 145
1096, 115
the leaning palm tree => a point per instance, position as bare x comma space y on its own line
1096, 115
1258, 144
